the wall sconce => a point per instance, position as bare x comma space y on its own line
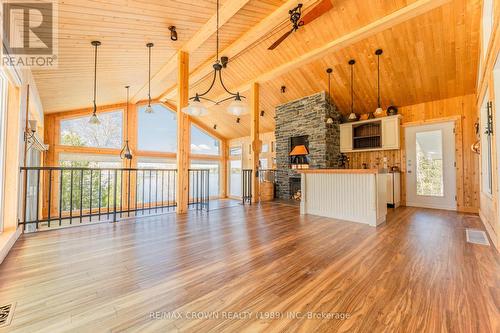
173, 33
32, 140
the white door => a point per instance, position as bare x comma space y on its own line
430, 166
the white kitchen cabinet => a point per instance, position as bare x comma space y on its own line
394, 189
345, 137
390, 133
368, 135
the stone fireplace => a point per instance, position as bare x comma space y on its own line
305, 118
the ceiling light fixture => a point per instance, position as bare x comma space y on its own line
149, 108
378, 112
283, 89
237, 106
173, 33
238, 120
125, 153
352, 116
93, 119
329, 71
215, 126
262, 113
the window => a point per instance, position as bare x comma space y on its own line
429, 148
487, 22
213, 177
203, 143
156, 186
263, 163
4, 85
76, 184
108, 134
235, 178
265, 148
235, 151
157, 131
486, 146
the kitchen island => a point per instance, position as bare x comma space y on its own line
356, 195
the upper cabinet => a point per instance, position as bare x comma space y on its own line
374, 134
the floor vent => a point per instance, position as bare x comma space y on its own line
6, 312
477, 237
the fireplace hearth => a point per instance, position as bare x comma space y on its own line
295, 189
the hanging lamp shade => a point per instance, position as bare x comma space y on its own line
125, 153
378, 112
195, 108
237, 107
149, 108
352, 116
93, 119
329, 120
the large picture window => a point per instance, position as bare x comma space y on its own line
202, 143
108, 134
213, 177
157, 131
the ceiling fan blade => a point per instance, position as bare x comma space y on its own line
317, 11
281, 39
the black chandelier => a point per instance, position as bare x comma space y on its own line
196, 107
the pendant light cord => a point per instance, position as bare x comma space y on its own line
352, 88
217, 31
126, 115
95, 76
149, 78
378, 79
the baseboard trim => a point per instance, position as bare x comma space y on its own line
7, 239
489, 230
411, 204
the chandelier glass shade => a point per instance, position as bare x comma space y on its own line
195, 108
125, 153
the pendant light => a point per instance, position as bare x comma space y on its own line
378, 112
196, 106
329, 71
93, 119
149, 108
352, 116
125, 153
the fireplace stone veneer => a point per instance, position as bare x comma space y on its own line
306, 116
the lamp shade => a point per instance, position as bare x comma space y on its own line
299, 151
195, 108
94, 120
149, 109
237, 108
379, 112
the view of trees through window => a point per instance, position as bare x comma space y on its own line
108, 134
429, 171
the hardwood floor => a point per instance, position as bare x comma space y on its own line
415, 273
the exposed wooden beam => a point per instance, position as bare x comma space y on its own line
226, 12
255, 138
404, 14
250, 37
183, 136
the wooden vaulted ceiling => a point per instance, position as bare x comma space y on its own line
433, 55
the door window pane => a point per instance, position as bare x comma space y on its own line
108, 134
235, 178
203, 143
157, 131
213, 177
235, 151
429, 170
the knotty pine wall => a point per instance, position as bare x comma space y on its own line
463, 107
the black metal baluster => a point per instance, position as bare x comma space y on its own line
168, 191
136, 190
208, 191
128, 195
143, 181
37, 196
60, 195
156, 192
150, 197
174, 193
50, 197
121, 192
107, 185
114, 201
90, 200
71, 199
99, 190
162, 182
81, 195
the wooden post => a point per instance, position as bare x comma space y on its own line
224, 169
254, 137
183, 134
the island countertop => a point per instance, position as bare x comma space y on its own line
340, 171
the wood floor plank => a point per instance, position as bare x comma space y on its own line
415, 273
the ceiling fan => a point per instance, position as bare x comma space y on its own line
298, 21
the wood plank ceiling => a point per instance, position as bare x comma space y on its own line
432, 56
